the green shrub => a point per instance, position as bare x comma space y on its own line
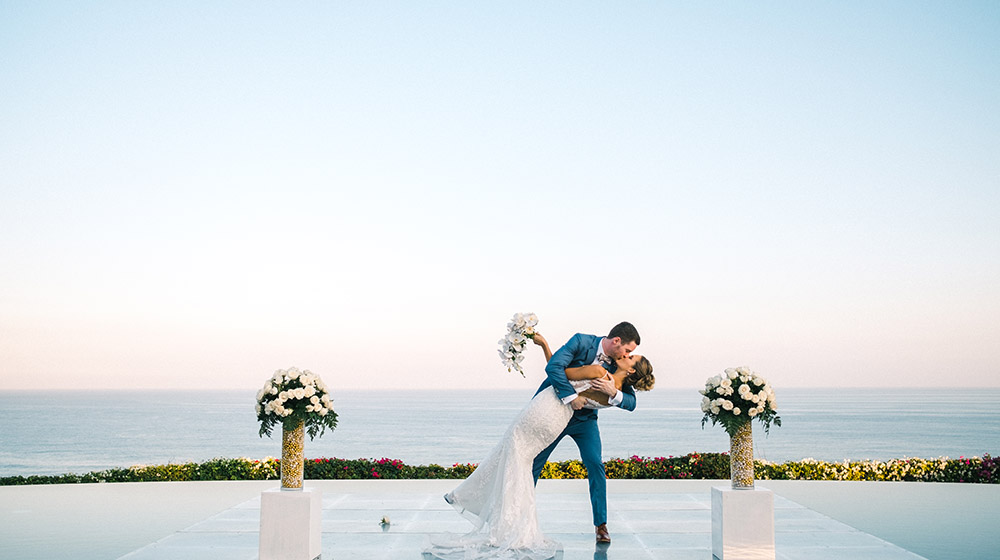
985, 469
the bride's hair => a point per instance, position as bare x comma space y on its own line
642, 378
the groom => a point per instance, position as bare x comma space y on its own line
582, 350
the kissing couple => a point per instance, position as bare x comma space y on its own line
586, 374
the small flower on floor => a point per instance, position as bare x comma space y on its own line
385, 523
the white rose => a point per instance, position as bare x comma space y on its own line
726, 383
309, 408
744, 389
752, 412
283, 396
293, 373
758, 381
729, 372
314, 400
736, 411
274, 390
323, 411
259, 409
728, 405
310, 391
716, 410
300, 393
706, 403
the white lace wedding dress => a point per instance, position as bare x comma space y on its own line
499, 496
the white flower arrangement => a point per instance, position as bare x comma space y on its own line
520, 329
292, 396
738, 396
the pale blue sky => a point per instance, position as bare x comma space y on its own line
195, 195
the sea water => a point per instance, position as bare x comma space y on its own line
55, 432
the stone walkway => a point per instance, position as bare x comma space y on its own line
646, 522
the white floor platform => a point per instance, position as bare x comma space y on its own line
647, 519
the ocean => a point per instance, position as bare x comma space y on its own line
56, 432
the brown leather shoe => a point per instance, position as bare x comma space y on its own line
602, 533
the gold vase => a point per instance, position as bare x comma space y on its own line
292, 446
741, 457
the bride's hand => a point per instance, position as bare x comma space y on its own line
538, 339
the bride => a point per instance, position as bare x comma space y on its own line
499, 496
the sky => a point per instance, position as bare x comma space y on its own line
194, 194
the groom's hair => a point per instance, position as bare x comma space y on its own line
626, 332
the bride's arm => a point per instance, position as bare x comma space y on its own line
593, 371
538, 339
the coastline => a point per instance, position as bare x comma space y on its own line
125, 428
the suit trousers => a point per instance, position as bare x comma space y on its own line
588, 438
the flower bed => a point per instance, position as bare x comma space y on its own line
985, 469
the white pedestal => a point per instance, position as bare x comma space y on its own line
742, 524
290, 527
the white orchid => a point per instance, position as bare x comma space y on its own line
519, 330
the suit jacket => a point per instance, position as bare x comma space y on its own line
579, 351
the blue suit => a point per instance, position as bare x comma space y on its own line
581, 350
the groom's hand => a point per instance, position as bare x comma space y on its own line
604, 385
578, 403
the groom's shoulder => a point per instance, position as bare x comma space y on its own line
583, 338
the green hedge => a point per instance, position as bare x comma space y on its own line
985, 469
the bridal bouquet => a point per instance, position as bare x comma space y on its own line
519, 330
292, 396
736, 397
